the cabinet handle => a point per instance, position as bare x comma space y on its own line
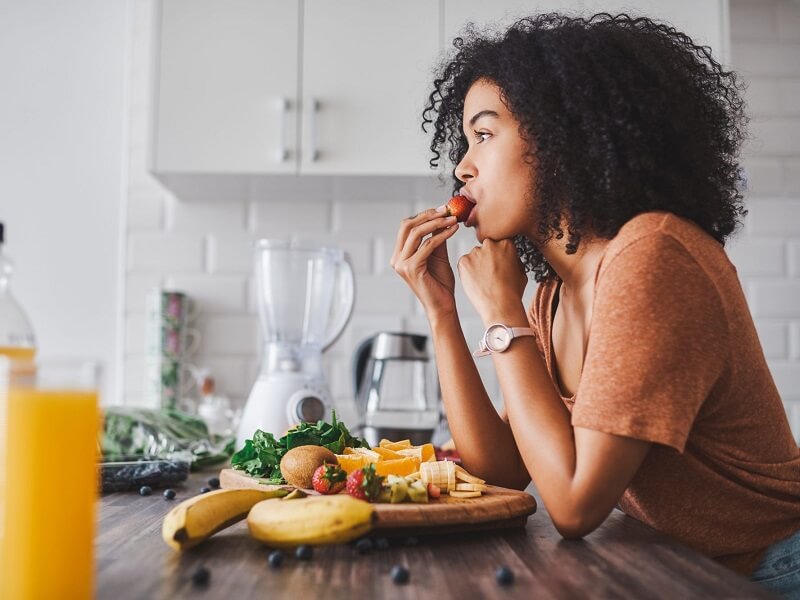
283, 150
314, 109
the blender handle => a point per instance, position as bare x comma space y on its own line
349, 302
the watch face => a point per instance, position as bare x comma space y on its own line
498, 338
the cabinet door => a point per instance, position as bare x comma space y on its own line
226, 86
497, 14
366, 75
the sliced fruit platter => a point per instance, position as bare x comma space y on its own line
323, 486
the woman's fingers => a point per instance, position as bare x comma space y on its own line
417, 233
407, 225
429, 245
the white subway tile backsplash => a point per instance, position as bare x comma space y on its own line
382, 295
775, 218
372, 190
794, 340
764, 176
755, 20
763, 96
774, 338
794, 259
774, 137
789, 99
775, 298
205, 217
229, 335
757, 257
231, 253
160, 251
789, 21
213, 294
766, 58
793, 413
378, 217
787, 378
281, 219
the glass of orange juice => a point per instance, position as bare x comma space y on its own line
49, 419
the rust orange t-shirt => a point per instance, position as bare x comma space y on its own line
673, 358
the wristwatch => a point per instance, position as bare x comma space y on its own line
497, 338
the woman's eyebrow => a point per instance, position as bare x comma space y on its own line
483, 113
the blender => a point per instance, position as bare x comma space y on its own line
305, 299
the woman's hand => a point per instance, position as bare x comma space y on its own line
494, 279
422, 261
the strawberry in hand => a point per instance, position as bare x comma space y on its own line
365, 484
329, 479
459, 207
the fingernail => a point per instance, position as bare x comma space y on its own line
442, 208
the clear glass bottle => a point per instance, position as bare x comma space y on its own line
16, 334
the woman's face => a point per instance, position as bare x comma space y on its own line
494, 170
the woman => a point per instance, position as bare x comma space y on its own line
601, 155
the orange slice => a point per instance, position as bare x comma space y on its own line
387, 454
395, 445
352, 462
398, 466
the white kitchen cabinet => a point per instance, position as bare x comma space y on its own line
226, 86
332, 87
366, 74
229, 88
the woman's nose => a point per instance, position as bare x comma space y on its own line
465, 170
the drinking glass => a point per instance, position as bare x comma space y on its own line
49, 426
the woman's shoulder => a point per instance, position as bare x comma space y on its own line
653, 235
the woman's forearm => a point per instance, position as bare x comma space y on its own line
484, 441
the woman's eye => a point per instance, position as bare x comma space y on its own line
479, 135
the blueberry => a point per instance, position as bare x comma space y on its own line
364, 545
145, 490
304, 552
169, 494
382, 543
400, 574
214, 483
201, 576
203, 490
504, 576
275, 559
412, 541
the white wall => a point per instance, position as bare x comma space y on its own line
62, 142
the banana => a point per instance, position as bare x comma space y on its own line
314, 520
200, 517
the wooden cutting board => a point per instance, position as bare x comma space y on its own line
497, 508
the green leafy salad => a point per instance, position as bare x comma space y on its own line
261, 456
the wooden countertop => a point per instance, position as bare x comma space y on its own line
622, 559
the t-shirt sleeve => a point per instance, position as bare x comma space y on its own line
657, 345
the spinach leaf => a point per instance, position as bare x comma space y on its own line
261, 456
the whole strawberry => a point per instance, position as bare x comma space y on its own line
365, 484
459, 207
329, 479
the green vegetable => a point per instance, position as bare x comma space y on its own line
261, 456
132, 431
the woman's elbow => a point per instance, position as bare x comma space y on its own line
574, 526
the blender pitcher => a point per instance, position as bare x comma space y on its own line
305, 299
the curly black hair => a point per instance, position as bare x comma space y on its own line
620, 114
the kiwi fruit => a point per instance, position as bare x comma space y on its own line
298, 464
